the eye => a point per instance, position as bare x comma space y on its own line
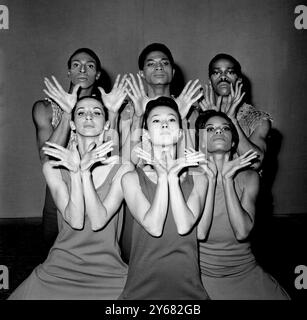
97, 113
155, 121
91, 66
231, 72
80, 113
165, 63
209, 129
226, 128
172, 120
75, 64
150, 64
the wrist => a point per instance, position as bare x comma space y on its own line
66, 116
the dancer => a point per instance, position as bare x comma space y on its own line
85, 261
228, 267
165, 204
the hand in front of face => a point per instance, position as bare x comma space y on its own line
65, 100
191, 159
206, 163
114, 99
137, 94
159, 166
208, 102
230, 167
68, 158
234, 100
187, 97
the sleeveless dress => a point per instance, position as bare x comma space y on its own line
164, 268
82, 264
228, 267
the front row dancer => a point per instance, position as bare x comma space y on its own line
228, 267
85, 260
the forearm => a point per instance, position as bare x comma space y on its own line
154, 218
246, 144
184, 217
94, 208
239, 218
207, 216
74, 211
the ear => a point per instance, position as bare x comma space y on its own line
141, 73
68, 73
180, 133
98, 75
72, 126
174, 71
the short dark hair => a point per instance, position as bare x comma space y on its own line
221, 56
205, 116
151, 48
90, 53
161, 102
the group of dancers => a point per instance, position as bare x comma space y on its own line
149, 195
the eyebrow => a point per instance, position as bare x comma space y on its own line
151, 59
77, 60
211, 124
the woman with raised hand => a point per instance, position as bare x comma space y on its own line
228, 267
85, 261
165, 202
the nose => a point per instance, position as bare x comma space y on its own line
159, 66
218, 131
82, 68
88, 116
164, 124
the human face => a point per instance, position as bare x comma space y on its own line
223, 74
89, 118
163, 126
83, 70
157, 69
217, 135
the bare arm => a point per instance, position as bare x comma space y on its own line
150, 216
70, 204
241, 212
100, 212
257, 140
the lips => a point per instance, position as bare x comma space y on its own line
82, 78
89, 126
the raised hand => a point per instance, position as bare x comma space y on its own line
191, 159
65, 100
137, 94
234, 100
159, 166
208, 102
68, 158
206, 163
230, 167
188, 97
114, 99
95, 154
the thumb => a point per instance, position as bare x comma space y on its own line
91, 147
101, 91
76, 88
226, 157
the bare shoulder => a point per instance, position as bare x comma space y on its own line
263, 127
130, 179
41, 111
248, 178
123, 169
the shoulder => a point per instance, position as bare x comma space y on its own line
248, 179
42, 110
123, 169
129, 176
